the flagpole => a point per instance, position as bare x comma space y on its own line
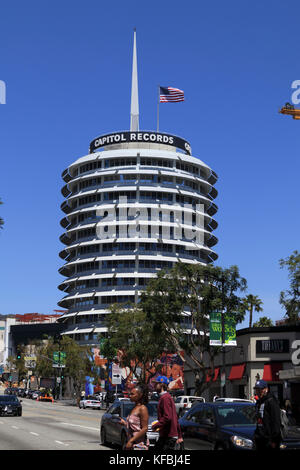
158, 109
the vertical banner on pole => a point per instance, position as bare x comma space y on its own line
215, 329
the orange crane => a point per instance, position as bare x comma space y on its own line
290, 109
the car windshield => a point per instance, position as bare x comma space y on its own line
127, 407
236, 415
8, 398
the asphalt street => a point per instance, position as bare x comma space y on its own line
51, 426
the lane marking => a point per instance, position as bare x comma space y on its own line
15, 427
34, 433
79, 426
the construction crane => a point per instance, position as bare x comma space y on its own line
290, 109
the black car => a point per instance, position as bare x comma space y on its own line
113, 431
215, 426
10, 405
11, 391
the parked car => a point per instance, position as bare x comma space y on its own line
11, 391
90, 402
30, 392
232, 400
22, 392
225, 426
113, 431
10, 405
184, 402
35, 395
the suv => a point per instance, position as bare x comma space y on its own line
184, 403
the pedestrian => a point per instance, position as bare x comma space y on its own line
268, 430
137, 420
170, 435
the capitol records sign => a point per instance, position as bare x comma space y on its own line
138, 137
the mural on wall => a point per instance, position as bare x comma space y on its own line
169, 365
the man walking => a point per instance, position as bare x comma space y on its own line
167, 424
268, 430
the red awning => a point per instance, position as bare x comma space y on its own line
208, 375
237, 372
271, 371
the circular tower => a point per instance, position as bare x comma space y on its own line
137, 203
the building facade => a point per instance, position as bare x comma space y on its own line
139, 202
271, 354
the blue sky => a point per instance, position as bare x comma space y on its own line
67, 69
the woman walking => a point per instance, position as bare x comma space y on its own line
137, 420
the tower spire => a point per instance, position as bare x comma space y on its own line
134, 110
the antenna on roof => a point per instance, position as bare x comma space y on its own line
134, 110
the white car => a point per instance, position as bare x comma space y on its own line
232, 400
91, 402
184, 403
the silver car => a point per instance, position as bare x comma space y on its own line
91, 402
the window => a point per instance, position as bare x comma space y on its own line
197, 416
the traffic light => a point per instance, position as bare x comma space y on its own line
18, 354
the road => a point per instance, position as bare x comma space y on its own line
51, 426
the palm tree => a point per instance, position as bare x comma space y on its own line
263, 321
1, 220
252, 303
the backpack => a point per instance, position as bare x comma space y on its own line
284, 424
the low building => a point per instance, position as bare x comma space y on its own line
261, 353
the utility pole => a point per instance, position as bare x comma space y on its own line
223, 388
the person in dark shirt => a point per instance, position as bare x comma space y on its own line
268, 430
167, 425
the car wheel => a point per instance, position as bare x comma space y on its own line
103, 440
123, 440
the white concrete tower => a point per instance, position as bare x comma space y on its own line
132, 207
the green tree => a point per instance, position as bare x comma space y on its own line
263, 321
178, 305
252, 303
79, 361
290, 298
131, 335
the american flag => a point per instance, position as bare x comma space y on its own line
170, 95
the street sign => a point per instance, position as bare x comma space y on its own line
58, 365
30, 364
116, 376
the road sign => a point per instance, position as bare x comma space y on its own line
58, 365
116, 376
30, 364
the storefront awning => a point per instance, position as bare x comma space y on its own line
237, 372
271, 371
208, 375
